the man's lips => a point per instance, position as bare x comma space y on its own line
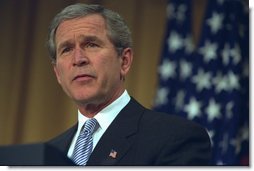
82, 77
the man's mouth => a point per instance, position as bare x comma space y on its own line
83, 77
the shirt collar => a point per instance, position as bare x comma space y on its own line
108, 114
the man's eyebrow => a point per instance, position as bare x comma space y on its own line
90, 38
82, 38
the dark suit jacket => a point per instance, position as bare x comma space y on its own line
144, 137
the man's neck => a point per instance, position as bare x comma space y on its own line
90, 110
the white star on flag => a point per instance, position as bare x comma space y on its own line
193, 108
185, 69
213, 110
175, 42
236, 54
233, 81
202, 80
220, 82
215, 22
226, 54
162, 94
209, 51
179, 99
167, 69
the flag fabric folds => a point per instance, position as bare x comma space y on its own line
209, 82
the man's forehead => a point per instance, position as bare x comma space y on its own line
93, 24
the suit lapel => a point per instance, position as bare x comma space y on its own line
117, 139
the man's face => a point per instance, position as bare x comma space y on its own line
87, 64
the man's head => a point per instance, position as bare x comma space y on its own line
117, 29
90, 48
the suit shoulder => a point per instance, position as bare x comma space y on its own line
174, 124
164, 121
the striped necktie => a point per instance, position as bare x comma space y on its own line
84, 145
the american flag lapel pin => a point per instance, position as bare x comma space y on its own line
113, 154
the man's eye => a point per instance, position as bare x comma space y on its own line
91, 45
65, 50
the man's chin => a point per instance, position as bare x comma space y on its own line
85, 100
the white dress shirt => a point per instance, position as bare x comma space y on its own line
104, 118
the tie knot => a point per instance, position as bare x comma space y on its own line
90, 125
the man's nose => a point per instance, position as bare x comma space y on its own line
79, 58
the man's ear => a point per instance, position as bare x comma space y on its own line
57, 73
126, 61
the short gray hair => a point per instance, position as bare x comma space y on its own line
118, 32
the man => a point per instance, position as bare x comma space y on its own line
90, 48
91, 52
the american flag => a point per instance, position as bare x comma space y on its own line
113, 154
209, 82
